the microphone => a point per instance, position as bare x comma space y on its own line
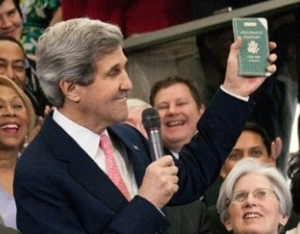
151, 123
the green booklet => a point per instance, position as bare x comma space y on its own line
254, 52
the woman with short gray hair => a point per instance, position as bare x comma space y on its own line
254, 198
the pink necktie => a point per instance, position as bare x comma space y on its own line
111, 166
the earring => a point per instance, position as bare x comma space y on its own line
25, 144
280, 228
228, 226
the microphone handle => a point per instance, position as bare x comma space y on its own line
156, 146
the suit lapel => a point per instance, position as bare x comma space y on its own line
92, 178
81, 167
136, 147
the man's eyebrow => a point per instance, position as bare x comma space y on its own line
257, 147
117, 65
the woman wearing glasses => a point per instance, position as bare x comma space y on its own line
254, 198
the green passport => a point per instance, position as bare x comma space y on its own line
254, 52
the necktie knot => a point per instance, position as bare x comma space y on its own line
105, 145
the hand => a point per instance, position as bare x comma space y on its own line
46, 112
240, 85
160, 182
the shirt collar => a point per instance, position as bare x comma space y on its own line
85, 138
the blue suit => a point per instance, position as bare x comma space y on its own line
59, 189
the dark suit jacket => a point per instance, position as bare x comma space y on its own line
193, 218
59, 189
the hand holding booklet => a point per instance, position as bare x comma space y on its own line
254, 52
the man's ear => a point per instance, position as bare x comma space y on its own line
222, 172
70, 91
276, 148
201, 110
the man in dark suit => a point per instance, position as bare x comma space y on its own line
62, 182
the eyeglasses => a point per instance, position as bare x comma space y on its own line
260, 194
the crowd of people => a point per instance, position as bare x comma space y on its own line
74, 155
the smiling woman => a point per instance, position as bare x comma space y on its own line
260, 207
17, 119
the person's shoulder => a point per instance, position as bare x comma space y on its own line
123, 128
293, 223
212, 193
216, 221
128, 135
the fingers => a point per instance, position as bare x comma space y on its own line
160, 182
234, 48
272, 58
237, 44
46, 112
272, 45
272, 67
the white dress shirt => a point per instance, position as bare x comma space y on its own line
89, 142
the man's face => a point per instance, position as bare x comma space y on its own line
179, 115
12, 62
104, 102
249, 144
10, 20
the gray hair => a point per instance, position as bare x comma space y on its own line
69, 51
135, 104
253, 166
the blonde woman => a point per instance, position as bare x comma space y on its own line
17, 119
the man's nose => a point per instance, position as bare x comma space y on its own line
126, 82
172, 109
10, 73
